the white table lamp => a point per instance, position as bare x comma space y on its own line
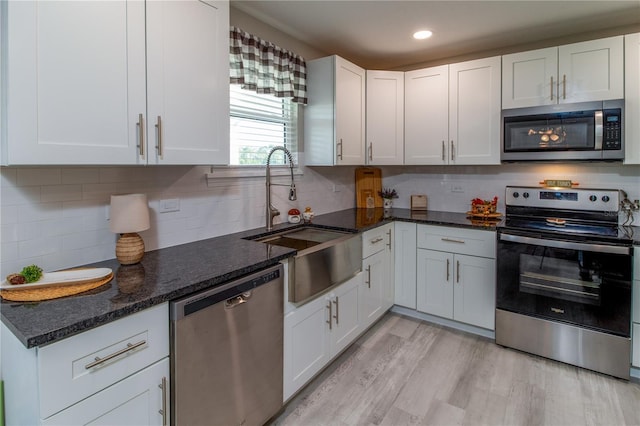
129, 215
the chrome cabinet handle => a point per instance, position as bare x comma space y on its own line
457, 271
337, 315
376, 240
129, 347
451, 240
551, 87
389, 243
447, 270
141, 134
370, 151
564, 86
443, 152
369, 276
163, 410
329, 321
452, 151
159, 131
340, 152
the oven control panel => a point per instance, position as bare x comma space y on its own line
563, 198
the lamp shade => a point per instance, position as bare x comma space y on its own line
129, 213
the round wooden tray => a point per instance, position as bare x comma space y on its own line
47, 293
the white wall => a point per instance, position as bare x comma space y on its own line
56, 217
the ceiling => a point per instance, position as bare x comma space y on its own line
377, 34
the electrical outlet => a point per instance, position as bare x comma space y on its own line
170, 205
456, 187
337, 188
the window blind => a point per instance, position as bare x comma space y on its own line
258, 123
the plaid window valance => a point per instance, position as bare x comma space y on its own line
263, 67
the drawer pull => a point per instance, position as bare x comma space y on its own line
377, 240
129, 347
451, 240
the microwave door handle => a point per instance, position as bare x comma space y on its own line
598, 130
569, 245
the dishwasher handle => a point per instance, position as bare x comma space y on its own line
232, 294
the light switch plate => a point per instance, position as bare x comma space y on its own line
170, 205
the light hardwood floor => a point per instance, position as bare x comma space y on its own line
405, 371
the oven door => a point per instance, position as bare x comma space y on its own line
580, 283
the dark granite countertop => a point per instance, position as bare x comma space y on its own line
173, 272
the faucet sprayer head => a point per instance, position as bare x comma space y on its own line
292, 192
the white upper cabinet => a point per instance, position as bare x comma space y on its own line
426, 115
78, 80
632, 101
188, 82
579, 72
75, 82
452, 113
334, 117
385, 117
474, 112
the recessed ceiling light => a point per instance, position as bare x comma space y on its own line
421, 35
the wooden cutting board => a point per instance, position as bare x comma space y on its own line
368, 183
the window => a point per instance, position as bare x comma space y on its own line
258, 123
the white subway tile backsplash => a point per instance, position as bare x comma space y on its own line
57, 217
39, 176
61, 193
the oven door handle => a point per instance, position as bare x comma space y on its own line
600, 248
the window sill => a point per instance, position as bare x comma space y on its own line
237, 172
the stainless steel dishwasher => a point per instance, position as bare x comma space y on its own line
226, 352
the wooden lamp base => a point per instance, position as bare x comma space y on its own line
129, 248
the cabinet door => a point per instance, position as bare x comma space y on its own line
306, 344
188, 82
349, 113
376, 272
344, 314
405, 264
530, 78
474, 290
137, 400
591, 70
434, 286
474, 112
426, 116
385, 117
75, 82
632, 99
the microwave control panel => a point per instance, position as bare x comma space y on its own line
612, 129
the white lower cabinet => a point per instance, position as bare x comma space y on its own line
377, 290
115, 374
405, 264
455, 274
140, 399
317, 331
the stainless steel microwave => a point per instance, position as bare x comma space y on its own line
588, 131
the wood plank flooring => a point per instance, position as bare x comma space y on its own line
405, 371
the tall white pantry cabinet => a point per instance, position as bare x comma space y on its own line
128, 82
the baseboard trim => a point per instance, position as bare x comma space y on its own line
443, 321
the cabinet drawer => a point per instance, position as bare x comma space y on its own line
81, 365
375, 240
457, 240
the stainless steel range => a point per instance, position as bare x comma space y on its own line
564, 277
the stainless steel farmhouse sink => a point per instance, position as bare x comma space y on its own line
325, 258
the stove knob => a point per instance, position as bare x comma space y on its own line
592, 198
516, 194
525, 195
605, 198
